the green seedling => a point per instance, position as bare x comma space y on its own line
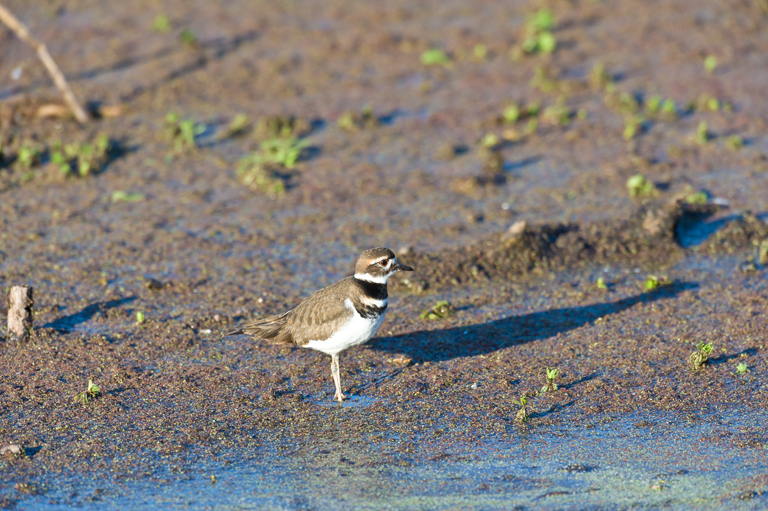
762, 253
653, 105
538, 36
440, 310
713, 104
632, 126
282, 126
355, 121
121, 196
550, 385
162, 23
640, 186
93, 391
543, 80
435, 57
599, 78
533, 109
531, 126
702, 133
82, 157
490, 141
557, 114
668, 109
28, 156
734, 142
480, 51
239, 125
600, 284
523, 414
260, 176
511, 113
710, 63
742, 368
182, 132
653, 282
701, 356
699, 198
139, 317
188, 38
283, 151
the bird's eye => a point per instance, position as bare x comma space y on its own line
385, 262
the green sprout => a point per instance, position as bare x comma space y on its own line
701, 356
480, 51
653, 282
640, 186
238, 126
550, 385
600, 79
258, 175
710, 63
85, 158
734, 142
699, 198
188, 38
523, 414
511, 113
538, 33
93, 391
435, 57
354, 121
654, 104
28, 156
139, 317
557, 114
742, 368
285, 152
702, 133
440, 310
162, 23
121, 196
632, 125
182, 132
490, 141
600, 284
669, 109
762, 253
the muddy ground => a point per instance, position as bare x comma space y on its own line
514, 232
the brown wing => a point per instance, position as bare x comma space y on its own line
315, 318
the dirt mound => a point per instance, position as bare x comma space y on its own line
647, 238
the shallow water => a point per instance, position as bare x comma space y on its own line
638, 462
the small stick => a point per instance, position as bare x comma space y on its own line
22, 33
20, 318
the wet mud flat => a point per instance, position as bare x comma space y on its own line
524, 223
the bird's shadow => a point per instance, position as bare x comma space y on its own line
485, 338
68, 323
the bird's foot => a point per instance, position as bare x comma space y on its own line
340, 397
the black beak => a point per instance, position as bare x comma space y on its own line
402, 267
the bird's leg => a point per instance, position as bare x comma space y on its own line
336, 377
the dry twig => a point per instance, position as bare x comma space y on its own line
22, 33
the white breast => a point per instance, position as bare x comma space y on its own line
356, 331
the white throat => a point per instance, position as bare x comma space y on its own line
375, 280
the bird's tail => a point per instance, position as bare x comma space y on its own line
271, 329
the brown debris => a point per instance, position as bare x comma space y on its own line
20, 314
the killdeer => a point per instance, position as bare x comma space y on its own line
337, 317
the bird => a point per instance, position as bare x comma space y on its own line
333, 319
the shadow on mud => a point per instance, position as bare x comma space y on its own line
472, 340
68, 323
